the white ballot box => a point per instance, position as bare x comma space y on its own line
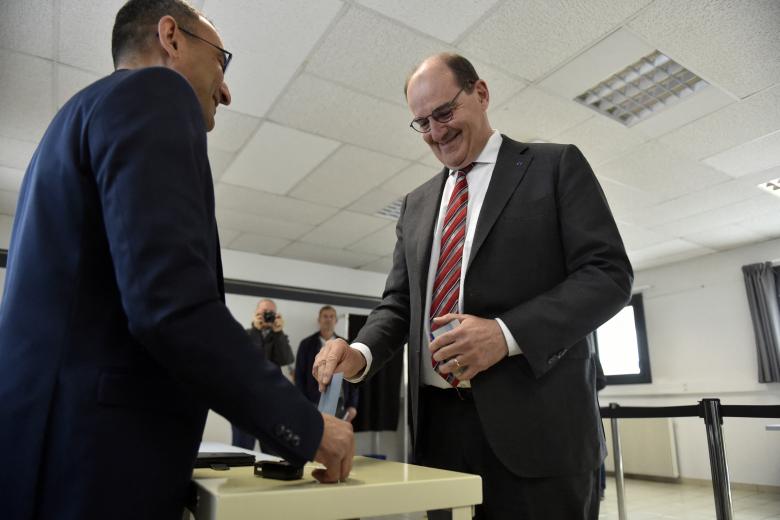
374, 488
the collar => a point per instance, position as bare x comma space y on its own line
489, 153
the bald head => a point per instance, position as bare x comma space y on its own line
449, 106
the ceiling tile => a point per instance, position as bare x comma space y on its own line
726, 237
6, 226
625, 199
374, 55
373, 201
441, 19
15, 153
8, 200
654, 168
409, 179
707, 199
277, 157
734, 45
343, 229
755, 156
85, 34
28, 106
730, 126
11, 179
381, 242
265, 204
21, 18
258, 244
219, 161
371, 54
251, 223
636, 237
271, 41
601, 139
232, 130
347, 175
667, 252
383, 265
325, 255
767, 225
69, 81
535, 114
348, 116
516, 36
721, 217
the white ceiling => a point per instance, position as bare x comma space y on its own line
317, 138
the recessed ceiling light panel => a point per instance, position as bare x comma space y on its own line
642, 89
392, 211
772, 187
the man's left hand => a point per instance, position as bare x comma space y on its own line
477, 344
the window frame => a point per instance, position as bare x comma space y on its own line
645, 375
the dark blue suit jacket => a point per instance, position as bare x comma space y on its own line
114, 336
304, 361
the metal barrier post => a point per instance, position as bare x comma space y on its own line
720, 471
617, 457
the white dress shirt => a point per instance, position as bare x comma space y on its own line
478, 181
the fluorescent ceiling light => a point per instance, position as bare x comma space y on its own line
642, 89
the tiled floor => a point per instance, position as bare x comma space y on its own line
659, 501
656, 501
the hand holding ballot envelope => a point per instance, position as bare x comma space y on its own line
337, 356
468, 343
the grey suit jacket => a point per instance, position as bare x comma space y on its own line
548, 260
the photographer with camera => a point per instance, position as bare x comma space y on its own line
267, 335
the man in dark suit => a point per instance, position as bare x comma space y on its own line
516, 242
304, 361
114, 336
268, 337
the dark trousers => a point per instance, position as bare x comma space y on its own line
451, 438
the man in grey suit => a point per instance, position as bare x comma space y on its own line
509, 257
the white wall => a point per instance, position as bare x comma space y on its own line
701, 344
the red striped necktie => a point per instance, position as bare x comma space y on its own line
446, 285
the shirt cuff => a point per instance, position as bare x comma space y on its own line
514, 348
363, 349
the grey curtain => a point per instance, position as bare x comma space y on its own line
764, 300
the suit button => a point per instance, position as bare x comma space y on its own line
295, 441
279, 430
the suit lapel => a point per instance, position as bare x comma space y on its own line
511, 166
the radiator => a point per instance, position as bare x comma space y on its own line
647, 445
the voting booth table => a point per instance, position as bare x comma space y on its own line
374, 488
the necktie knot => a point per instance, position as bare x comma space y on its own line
465, 170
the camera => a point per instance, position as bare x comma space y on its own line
269, 316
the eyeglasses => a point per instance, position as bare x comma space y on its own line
441, 114
226, 55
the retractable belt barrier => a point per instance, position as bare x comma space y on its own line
713, 413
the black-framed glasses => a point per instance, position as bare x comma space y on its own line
440, 114
226, 55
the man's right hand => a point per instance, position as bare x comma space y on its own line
336, 450
336, 356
